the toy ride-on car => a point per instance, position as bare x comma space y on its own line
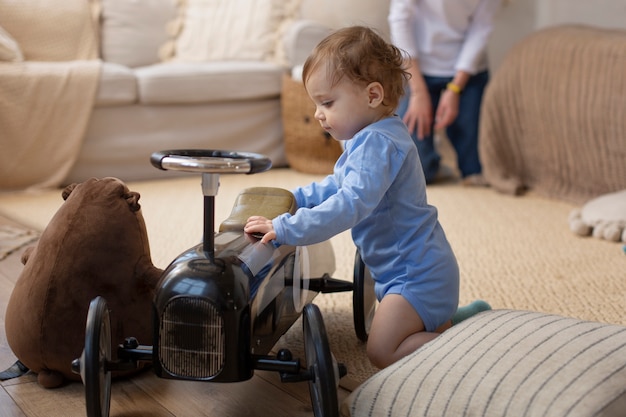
222, 305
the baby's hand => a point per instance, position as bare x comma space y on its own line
260, 225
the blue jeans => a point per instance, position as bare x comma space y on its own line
463, 132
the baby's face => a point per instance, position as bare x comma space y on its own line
342, 109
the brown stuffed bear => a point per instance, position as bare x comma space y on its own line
96, 244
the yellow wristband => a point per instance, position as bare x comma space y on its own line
454, 88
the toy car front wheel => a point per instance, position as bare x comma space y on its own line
320, 363
364, 300
97, 356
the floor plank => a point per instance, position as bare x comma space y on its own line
10, 268
298, 390
252, 398
36, 401
8, 408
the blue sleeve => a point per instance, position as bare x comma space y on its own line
315, 193
360, 182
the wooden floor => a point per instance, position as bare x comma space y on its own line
146, 395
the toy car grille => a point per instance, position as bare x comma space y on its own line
191, 338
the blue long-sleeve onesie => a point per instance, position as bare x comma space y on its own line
378, 190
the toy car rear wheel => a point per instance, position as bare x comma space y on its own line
97, 356
320, 363
364, 300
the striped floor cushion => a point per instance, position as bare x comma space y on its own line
505, 363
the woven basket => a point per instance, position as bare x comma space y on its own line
308, 147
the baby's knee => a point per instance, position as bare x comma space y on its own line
378, 355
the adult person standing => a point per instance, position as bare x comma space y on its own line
445, 42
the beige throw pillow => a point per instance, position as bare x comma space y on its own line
222, 30
504, 363
9, 49
51, 30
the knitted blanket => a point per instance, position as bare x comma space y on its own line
46, 99
553, 115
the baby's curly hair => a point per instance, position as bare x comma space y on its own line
359, 53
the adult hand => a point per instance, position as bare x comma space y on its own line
262, 225
447, 110
419, 114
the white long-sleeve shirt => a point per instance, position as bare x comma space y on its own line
445, 36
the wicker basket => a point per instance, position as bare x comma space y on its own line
308, 147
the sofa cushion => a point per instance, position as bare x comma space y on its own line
9, 49
117, 85
133, 31
202, 82
504, 363
214, 30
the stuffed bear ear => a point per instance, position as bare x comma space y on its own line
132, 198
68, 190
26, 254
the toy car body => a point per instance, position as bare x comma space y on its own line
222, 305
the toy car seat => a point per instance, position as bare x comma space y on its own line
268, 202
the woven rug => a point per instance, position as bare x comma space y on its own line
14, 237
514, 252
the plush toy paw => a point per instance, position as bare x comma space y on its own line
603, 217
50, 379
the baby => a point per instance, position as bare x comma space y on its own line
377, 189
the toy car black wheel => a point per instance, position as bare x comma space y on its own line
320, 363
364, 300
97, 356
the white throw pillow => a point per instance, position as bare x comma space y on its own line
132, 32
504, 363
218, 30
9, 49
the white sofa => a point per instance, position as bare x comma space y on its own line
178, 74
144, 104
